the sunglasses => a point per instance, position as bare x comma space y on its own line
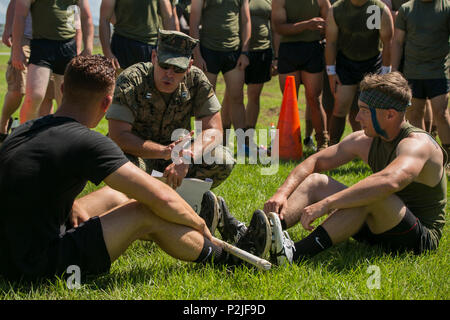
167, 66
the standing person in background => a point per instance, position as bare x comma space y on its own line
427, 118
426, 59
301, 25
52, 47
224, 44
350, 57
16, 79
135, 29
262, 57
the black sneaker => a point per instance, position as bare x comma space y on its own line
3, 136
257, 239
230, 228
210, 211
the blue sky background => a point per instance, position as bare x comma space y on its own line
94, 4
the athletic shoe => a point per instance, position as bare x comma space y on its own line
230, 228
309, 143
209, 211
282, 249
257, 238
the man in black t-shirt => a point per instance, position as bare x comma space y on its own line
46, 163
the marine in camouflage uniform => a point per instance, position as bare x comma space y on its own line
155, 115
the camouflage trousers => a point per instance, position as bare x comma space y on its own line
218, 171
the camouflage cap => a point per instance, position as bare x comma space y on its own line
175, 48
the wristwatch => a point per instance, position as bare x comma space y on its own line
245, 53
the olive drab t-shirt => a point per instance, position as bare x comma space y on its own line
154, 116
426, 203
260, 12
301, 10
137, 20
53, 19
356, 40
427, 30
220, 25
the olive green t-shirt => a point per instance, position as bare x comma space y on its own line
427, 30
355, 40
426, 203
260, 11
220, 25
137, 20
53, 19
301, 10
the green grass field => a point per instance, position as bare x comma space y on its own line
146, 272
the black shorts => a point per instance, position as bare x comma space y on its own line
219, 61
428, 88
296, 56
129, 51
409, 235
52, 54
84, 247
351, 72
260, 68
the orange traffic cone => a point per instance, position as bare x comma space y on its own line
289, 134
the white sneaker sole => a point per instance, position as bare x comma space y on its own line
277, 238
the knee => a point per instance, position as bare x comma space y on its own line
440, 113
316, 180
34, 97
340, 110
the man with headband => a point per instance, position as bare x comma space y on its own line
400, 207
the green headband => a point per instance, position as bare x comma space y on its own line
380, 100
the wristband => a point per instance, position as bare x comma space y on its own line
275, 58
385, 69
245, 53
331, 70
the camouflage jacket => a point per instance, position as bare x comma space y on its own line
154, 119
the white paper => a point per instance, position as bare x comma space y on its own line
191, 190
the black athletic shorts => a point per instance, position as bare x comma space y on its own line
52, 54
409, 235
129, 51
219, 61
428, 88
83, 246
351, 72
296, 56
260, 68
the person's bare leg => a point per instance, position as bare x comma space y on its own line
253, 104
428, 116
343, 102
342, 224
58, 79
416, 112
123, 225
354, 109
297, 78
253, 107
100, 201
37, 82
441, 118
47, 104
313, 90
234, 82
11, 103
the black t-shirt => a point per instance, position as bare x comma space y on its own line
44, 165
